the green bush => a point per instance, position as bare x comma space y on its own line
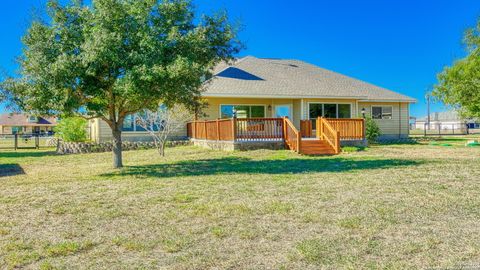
352, 149
72, 129
372, 131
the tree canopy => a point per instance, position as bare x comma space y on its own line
459, 85
114, 58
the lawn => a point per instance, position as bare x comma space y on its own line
391, 206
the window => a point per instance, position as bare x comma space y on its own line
382, 112
329, 110
344, 111
131, 123
32, 119
16, 130
243, 111
316, 110
128, 123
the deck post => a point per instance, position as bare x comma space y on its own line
234, 128
364, 128
16, 141
299, 141
218, 130
319, 128
338, 143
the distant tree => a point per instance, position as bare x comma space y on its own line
459, 85
71, 129
115, 58
164, 123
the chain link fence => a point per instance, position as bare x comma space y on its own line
26, 141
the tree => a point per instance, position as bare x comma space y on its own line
163, 123
114, 58
459, 85
72, 129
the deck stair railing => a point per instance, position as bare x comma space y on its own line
326, 132
292, 136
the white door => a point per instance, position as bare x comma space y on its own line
283, 110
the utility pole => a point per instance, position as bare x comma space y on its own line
427, 97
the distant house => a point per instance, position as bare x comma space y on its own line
19, 123
450, 120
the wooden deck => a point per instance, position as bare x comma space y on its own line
326, 141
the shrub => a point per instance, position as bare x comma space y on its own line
372, 131
72, 129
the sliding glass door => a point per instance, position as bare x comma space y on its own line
328, 110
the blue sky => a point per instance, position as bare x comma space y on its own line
399, 45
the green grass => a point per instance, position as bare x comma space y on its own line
391, 206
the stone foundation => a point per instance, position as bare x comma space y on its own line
239, 146
84, 148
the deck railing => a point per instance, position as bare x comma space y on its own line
350, 129
218, 130
326, 132
268, 129
258, 129
293, 138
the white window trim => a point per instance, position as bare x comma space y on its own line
229, 104
337, 103
381, 106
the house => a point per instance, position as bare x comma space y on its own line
19, 123
450, 120
273, 88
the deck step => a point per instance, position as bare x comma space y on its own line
316, 147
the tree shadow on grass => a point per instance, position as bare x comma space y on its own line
229, 165
10, 170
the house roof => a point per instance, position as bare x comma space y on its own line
20, 119
260, 77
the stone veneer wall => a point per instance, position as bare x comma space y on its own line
241, 146
87, 147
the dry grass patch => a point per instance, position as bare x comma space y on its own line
395, 206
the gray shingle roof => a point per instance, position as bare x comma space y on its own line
259, 77
20, 119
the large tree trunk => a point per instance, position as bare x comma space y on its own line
117, 147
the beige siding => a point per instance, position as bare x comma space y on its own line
101, 132
398, 125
